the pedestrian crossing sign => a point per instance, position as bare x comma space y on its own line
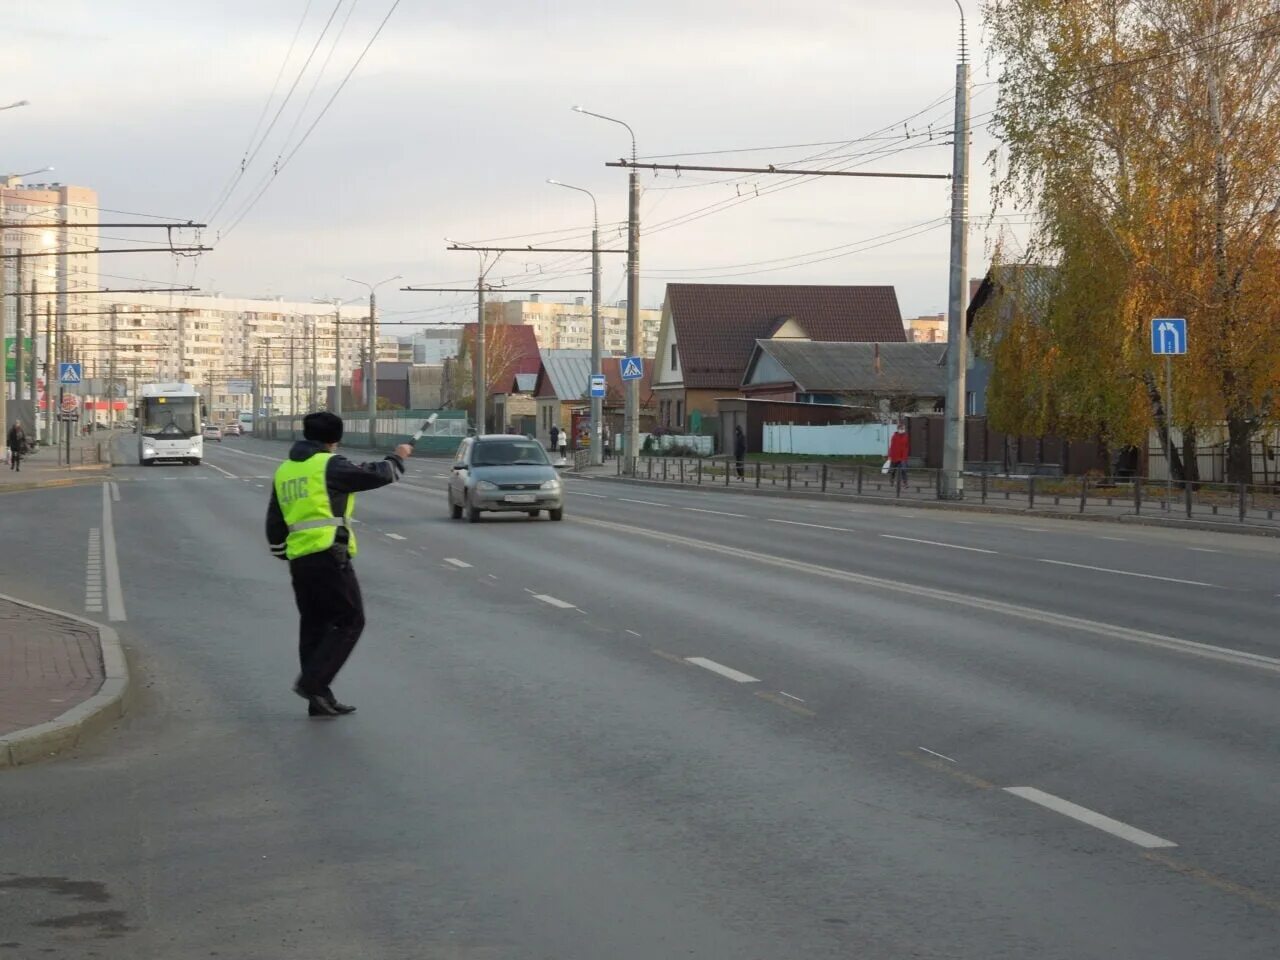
632, 368
69, 373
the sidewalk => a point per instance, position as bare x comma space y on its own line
43, 470
61, 677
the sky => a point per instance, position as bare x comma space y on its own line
459, 113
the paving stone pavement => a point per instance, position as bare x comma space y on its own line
48, 664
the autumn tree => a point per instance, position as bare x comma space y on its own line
1144, 135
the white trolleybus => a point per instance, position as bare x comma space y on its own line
169, 424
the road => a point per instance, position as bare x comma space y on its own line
678, 724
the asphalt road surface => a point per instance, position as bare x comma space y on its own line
677, 724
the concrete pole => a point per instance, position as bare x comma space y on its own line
952, 486
632, 412
4, 329
34, 370
293, 383
19, 376
50, 368
481, 382
597, 403
371, 385
315, 381
111, 373
337, 358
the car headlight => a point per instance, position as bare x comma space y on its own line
486, 485
552, 484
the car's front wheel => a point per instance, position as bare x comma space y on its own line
556, 514
473, 514
455, 511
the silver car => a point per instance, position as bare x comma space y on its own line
503, 472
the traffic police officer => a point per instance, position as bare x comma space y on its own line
309, 524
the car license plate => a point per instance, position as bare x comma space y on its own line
520, 498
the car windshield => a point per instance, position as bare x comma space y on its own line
504, 453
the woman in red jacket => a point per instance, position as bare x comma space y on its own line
899, 451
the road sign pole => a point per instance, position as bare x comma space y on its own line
1168, 421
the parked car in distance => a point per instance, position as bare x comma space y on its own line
213, 432
504, 473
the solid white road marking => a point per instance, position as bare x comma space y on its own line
1108, 630
816, 526
735, 675
115, 492
1116, 539
1203, 550
1034, 529
225, 473
935, 543
395, 536
597, 496
941, 756
647, 503
719, 513
633, 633
1127, 573
555, 601
1092, 818
115, 595
462, 564
789, 696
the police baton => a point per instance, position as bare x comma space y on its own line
426, 425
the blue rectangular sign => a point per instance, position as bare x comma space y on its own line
69, 373
596, 386
632, 368
1169, 336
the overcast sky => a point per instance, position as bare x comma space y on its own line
461, 111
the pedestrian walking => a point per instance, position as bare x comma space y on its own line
309, 524
740, 451
606, 438
562, 443
555, 438
899, 452
16, 442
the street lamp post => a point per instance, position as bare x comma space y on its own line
480, 382
371, 383
16, 103
597, 403
632, 387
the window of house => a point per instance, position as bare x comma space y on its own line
675, 358
679, 414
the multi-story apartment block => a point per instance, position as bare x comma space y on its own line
927, 329
567, 326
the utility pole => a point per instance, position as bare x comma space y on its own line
952, 487
371, 384
34, 361
50, 366
481, 386
315, 378
111, 373
337, 357
631, 417
18, 375
293, 386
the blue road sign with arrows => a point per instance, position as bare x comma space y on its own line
1169, 336
632, 368
69, 373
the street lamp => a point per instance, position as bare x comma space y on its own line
597, 403
16, 103
372, 385
480, 381
631, 416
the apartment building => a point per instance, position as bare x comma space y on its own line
567, 326
927, 329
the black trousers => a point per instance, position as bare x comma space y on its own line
331, 615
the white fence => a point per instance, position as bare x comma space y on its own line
705, 446
1211, 455
833, 440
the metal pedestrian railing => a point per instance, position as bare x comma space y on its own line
1255, 504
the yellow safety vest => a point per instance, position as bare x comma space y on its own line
304, 501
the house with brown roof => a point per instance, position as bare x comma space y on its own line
709, 332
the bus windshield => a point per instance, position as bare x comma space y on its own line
169, 417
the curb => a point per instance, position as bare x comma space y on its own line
83, 720
1208, 526
96, 477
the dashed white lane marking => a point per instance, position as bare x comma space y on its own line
441, 476
1203, 550
719, 513
934, 753
115, 493
555, 601
633, 633
395, 536
935, 543
816, 526
596, 496
1116, 539
790, 697
225, 473
461, 564
115, 595
966, 523
735, 675
647, 503
1034, 529
1091, 817
1127, 573
258, 485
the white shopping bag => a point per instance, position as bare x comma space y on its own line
885, 468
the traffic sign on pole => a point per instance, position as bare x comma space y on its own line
1169, 336
632, 368
596, 386
69, 373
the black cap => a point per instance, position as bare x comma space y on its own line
322, 427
